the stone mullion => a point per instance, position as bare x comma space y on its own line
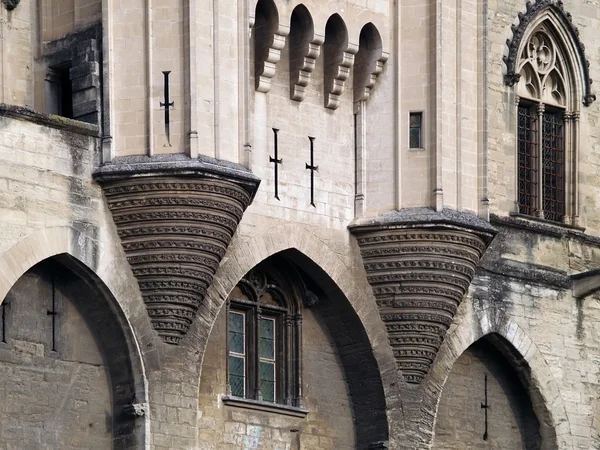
569, 157
516, 178
256, 343
289, 363
297, 366
575, 151
540, 163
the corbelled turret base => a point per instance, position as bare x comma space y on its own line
420, 264
175, 218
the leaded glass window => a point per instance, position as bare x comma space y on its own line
237, 353
264, 338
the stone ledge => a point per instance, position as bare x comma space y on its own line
424, 217
50, 120
256, 405
172, 164
541, 226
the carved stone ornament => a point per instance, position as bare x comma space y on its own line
11, 4
512, 75
175, 219
419, 271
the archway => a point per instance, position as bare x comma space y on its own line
485, 403
340, 282
91, 314
65, 360
524, 358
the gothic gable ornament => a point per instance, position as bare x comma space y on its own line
11, 4
513, 75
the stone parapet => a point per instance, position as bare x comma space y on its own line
175, 217
420, 264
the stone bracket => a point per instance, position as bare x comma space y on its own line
336, 82
265, 69
363, 92
176, 217
302, 68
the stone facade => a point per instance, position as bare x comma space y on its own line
152, 155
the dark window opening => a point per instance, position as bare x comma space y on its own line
59, 94
415, 130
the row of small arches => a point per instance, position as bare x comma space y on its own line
340, 55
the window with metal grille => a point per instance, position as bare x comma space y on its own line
553, 166
415, 132
543, 163
528, 173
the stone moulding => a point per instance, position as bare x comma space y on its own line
175, 218
512, 76
420, 265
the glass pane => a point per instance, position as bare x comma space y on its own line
237, 379
415, 120
267, 381
266, 345
415, 138
267, 348
236, 322
236, 366
236, 342
267, 328
267, 388
267, 371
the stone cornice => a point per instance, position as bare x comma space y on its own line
50, 120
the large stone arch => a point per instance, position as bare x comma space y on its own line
331, 271
526, 359
83, 256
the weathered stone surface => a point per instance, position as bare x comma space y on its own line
419, 271
175, 221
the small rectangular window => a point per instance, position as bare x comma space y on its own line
237, 353
415, 130
58, 95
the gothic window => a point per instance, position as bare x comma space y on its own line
542, 112
264, 335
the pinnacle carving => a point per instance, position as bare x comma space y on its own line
175, 228
419, 277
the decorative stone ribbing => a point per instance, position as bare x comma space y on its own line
419, 274
175, 224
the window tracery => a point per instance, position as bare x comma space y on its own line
545, 147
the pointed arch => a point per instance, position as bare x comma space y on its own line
553, 12
369, 61
305, 47
82, 257
526, 359
360, 336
